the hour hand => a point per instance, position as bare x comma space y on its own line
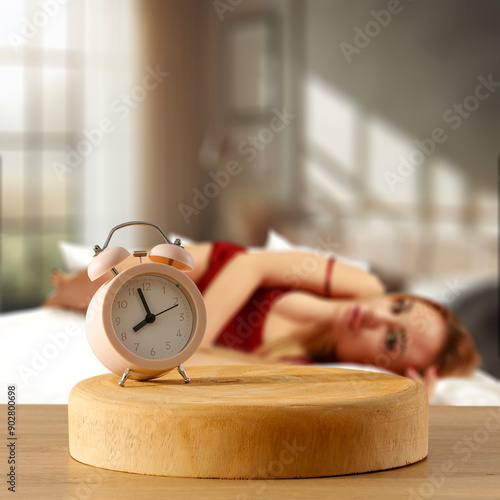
143, 300
137, 327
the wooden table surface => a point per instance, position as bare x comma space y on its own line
463, 462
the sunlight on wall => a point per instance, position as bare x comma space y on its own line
331, 119
448, 185
324, 190
416, 224
386, 147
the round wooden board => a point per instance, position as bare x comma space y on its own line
250, 422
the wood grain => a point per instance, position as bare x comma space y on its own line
250, 422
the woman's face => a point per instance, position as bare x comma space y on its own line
389, 332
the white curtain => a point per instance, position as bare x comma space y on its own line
113, 97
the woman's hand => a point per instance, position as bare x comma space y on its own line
428, 379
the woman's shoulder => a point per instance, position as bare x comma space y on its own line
221, 252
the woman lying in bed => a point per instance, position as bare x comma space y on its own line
295, 307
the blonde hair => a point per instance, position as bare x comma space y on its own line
317, 341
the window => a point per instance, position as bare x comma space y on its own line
41, 114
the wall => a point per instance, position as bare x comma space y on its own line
367, 104
173, 118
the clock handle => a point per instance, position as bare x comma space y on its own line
167, 253
134, 223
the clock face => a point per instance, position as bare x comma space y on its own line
152, 316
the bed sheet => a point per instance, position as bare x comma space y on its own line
45, 352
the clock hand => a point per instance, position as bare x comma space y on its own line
140, 325
168, 309
143, 299
150, 318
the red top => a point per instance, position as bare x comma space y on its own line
243, 332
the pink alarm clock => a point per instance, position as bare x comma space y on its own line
149, 318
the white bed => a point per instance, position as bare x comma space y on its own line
45, 353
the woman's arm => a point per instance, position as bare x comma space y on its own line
245, 273
308, 271
201, 255
304, 307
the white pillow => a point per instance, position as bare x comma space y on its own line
447, 289
277, 242
75, 257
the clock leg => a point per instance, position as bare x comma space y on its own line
125, 376
182, 371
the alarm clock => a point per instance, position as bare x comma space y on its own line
149, 318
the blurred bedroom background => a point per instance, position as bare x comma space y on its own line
370, 129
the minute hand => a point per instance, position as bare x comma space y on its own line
168, 309
143, 300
